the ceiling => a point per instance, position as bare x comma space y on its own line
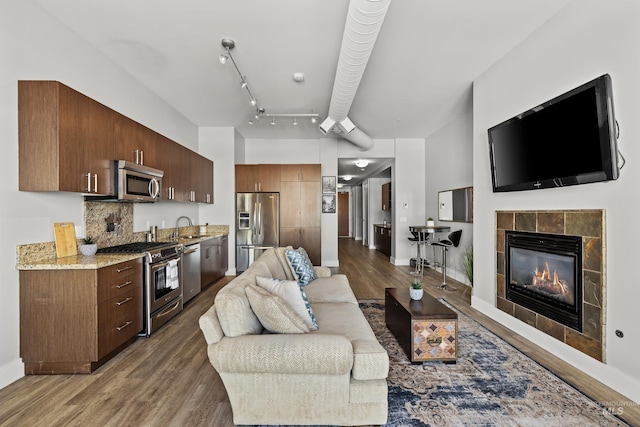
418, 77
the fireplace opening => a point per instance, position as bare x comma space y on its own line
544, 274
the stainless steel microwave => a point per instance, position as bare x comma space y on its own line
138, 183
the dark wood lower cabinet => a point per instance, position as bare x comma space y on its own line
214, 254
382, 239
73, 321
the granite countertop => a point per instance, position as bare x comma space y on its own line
77, 262
81, 262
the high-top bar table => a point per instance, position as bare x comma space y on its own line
422, 232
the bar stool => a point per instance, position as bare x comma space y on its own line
420, 239
452, 241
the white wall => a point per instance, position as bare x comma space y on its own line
35, 46
586, 39
218, 145
408, 194
449, 165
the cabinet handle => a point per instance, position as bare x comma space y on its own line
120, 270
95, 183
137, 157
126, 300
128, 322
141, 157
88, 182
127, 283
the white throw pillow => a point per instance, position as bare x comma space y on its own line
291, 292
275, 315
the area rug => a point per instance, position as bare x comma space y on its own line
492, 384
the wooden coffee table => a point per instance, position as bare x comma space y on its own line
426, 329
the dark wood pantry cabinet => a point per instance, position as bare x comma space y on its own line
300, 188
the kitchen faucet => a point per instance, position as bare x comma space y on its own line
176, 232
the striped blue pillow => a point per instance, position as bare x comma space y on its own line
301, 266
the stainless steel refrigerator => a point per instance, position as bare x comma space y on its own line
257, 226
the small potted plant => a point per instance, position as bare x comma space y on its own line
430, 222
416, 291
88, 247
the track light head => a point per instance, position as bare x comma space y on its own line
223, 59
228, 44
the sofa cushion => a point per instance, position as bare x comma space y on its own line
301, 266
330, 289
270, 259
275, 315
281, 254
370, 359
293, 295
232, 306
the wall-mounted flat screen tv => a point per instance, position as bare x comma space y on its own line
568, 140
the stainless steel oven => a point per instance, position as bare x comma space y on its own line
162, 281
163, 287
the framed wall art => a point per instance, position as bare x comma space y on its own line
328, 185
329, 203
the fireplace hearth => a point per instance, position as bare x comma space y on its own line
544, 274
558, 288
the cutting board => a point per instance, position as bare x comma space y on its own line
65, 235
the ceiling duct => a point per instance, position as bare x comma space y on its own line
364, 21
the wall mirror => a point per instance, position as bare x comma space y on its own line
456, 205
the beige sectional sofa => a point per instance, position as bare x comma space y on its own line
334, 375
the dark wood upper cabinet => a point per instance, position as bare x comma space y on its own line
386, 196
68, 142
134, 142
301, 172
258, 178
65, 140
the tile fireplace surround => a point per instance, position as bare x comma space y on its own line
590, 224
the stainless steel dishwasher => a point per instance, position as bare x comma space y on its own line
191, 271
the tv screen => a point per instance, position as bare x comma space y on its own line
568, 140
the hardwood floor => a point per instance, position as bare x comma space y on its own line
166, 380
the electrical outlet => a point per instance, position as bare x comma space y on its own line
79, 232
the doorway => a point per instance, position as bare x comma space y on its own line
343, 214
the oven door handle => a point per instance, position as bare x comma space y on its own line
160, 265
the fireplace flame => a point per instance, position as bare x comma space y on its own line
543, 280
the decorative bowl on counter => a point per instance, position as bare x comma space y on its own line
89, 249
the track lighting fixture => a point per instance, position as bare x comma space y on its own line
228, 45
361, 163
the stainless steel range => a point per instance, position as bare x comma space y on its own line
162, 280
